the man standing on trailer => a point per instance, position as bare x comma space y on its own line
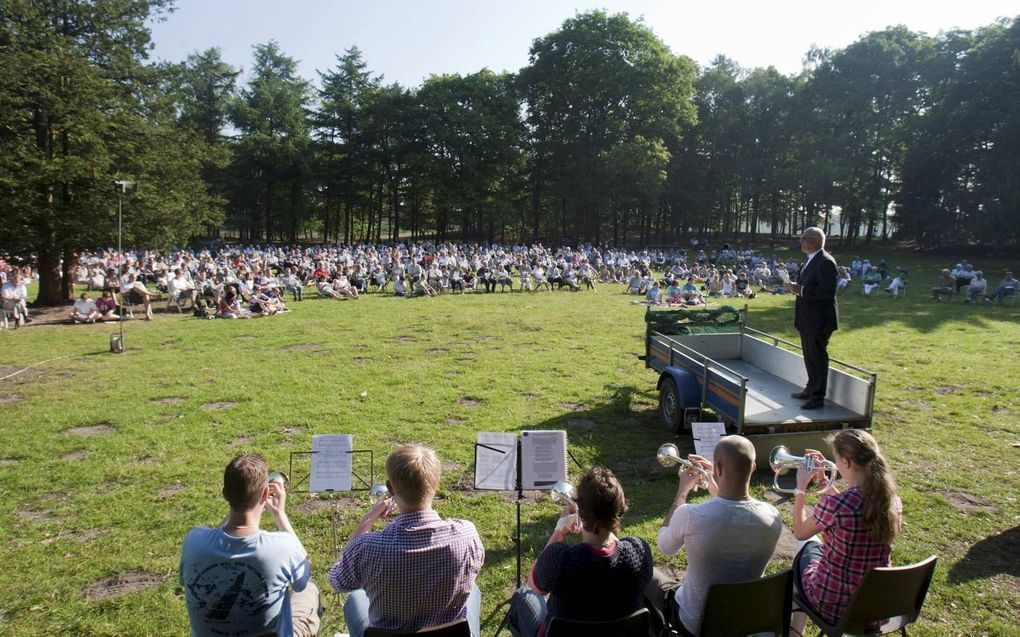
815, 315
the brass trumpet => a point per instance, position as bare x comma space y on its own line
380, 492
562, 494
668, 455
781, 461
279, 477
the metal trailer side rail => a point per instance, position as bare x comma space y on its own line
676, 347
872, 376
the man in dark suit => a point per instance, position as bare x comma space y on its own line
815, 315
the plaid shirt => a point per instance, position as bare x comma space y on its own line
848, 553
417, 572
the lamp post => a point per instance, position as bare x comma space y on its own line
121, 186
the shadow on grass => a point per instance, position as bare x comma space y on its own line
994, 555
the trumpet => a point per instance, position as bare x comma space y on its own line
562, 494
781, 461
380, 492
669, 456
279, 477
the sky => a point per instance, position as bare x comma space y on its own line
406, 41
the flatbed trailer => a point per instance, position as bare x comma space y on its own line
744, 377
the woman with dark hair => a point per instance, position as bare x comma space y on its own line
601, 578
858, 526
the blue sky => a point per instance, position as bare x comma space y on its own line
406, 40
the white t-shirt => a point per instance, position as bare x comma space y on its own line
238, 585
85, 307
727, 541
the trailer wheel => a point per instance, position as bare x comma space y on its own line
670, 410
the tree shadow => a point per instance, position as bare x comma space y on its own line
994, 555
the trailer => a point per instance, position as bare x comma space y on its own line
712, 367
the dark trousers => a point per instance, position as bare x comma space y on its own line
816, 361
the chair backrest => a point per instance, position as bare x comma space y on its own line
755, 606
633, 625
890, 596
458, 628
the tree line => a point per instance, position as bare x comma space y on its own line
605, 135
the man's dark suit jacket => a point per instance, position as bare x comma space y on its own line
816, 312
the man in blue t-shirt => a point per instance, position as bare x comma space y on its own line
236, 576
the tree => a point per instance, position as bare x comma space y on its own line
79, 109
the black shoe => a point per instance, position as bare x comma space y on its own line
801, 395
814, 403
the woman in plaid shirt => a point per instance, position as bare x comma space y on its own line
858, 526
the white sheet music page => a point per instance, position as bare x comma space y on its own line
496, 461
706, 436
543, 459
331, 462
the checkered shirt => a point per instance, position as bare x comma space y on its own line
417, 572
848, 553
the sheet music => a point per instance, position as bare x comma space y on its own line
496, 461
331, 462
706, 436
543, 459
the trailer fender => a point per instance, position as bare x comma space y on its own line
678, 390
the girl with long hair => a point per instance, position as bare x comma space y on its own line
858, 526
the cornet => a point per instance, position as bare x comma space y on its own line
279, 477
781, 461
669, 456
380, 492
562, 494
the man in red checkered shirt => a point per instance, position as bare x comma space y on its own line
420, 570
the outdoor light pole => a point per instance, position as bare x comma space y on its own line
121, 186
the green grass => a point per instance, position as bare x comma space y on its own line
946, 416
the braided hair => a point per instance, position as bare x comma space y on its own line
878, 487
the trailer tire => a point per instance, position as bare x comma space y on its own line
670, 406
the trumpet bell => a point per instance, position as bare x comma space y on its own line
668, 455
781, 461
279, 476
562, 494
378, 492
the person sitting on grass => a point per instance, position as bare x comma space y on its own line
342, 285
1007, 287
654, 295
241, 580
690, 294
230, 304
946, 286
84, 310
978, 287
106, 305
673, 294
599, 579
742, 286
292, 284
326, 290
398, 286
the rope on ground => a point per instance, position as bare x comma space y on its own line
25, 369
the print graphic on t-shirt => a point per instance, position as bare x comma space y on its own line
230, 593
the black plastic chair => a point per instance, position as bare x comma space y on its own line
888, 600
458, 628
744, 608
633, 625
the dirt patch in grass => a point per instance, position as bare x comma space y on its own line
454, 421
982, 393
10, 399
8, 461
530, 497
77, 454
241, 441
304, 347
1000, 411
786, 547
572, 406
674, 572
98, 429
171, 490
361, 360
948, 389
126, 583
313, 506
920, 404
968, 503
37, 516
81, 537
220, 405
531, 396
470, 401
913, 390
435, 351
291, 430
169, 400
582, 423
405, 339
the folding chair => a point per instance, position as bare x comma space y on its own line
458, 628
633, 625
889, 598
755, 606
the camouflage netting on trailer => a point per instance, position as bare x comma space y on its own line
725, 318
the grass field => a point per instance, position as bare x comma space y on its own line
93, 518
